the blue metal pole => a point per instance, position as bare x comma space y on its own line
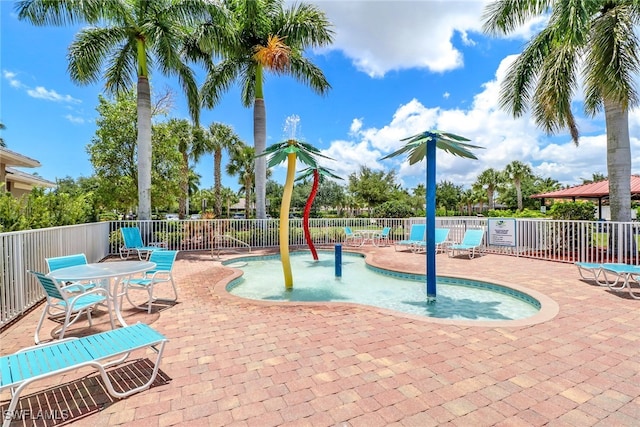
338, 260
431, 218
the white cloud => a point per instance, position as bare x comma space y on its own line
51, 95
419, 35
11, 77
74, 119
504, 139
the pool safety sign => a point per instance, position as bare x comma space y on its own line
502, 232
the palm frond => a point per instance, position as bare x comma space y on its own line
416, 147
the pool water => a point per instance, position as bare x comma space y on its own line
263, 279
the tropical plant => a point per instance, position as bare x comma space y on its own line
595, 38
419, 147
217, 138
241, 163
274, 38
516, 171
316, 172
489, 180
289, 150
125, 41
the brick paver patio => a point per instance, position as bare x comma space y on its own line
234, 362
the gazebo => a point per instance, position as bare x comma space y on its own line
594, 191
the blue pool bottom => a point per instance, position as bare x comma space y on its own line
361, 283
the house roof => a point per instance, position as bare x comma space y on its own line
595, 190
27, 178
11, 158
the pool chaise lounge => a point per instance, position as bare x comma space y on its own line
99, 351
417, 234
624, 272
471, 242
593, 271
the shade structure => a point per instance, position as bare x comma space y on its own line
594, 191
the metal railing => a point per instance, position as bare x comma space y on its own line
553, 240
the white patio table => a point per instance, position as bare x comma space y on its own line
112, 272
368, 235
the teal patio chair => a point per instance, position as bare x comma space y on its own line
352, 238
471, 242
162, 273
133, 244
382, 238
56, 263
61, 302
417, 234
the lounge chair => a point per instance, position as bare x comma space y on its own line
594, 272
353, 239
441, 241
626, 272
416, 235
471, 241
98, 351
162, 273
133, 244
67, 300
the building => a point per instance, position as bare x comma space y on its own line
16, 181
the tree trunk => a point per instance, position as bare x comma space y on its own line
618, 161
260, 138
184, 187
217, 183
144, 148
519, 195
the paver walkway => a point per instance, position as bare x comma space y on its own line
233, 362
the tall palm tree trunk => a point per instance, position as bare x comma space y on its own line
144, 148
618, 161
184, 187
217, 180
260, 143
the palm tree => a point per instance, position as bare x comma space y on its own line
127, 39
289, 150
467, 199
594, 38
423, 146
241, 163
218, 138
516, 171
317, 172
182, 130
489, 179
269, 37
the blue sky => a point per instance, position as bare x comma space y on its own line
396, 68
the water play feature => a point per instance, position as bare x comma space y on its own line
359, 283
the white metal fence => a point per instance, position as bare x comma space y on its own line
564, 241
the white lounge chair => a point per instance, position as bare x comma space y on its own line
471, 242
133, 244
99, 351
441, 241
417, 234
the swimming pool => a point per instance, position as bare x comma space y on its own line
360, 283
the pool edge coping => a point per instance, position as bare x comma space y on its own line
549, 309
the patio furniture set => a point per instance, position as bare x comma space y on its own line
74, 287
416, 241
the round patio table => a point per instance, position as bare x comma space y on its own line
111, 272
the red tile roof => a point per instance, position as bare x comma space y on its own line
594, 190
